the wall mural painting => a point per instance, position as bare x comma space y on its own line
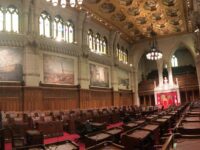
99, 76
123, 79
58, 70
11, 65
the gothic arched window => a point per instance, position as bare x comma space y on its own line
104, 46
1, 19
12, 19
45, 24
126, 56
97, 43
58, 28
90, 40
69, 32
174, 61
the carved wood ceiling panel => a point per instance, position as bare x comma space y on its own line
134, 17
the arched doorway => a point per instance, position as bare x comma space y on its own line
184, 71
147, 74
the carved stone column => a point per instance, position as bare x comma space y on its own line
160, 73
170, 75
35, 19
31, 65
114, 37
135, 87
114, 77
25, 16
80, 28
83, 73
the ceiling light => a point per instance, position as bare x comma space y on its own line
72, 3
196, 30
154, 53
64, 3
55, 2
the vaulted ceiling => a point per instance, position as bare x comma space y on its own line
133, 18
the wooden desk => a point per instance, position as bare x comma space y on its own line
95, 138
107, 145
154, 129
189, 128
34, 137
192, 119
115, 133
63, 145
129, 126
137, 139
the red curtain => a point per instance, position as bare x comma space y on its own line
167, 99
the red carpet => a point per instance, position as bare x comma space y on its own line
67, 136
119, 124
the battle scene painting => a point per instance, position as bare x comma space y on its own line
123, 79
99, 76
11, 65
58, 70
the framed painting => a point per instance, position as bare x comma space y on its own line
11, 68
99, 75
123, 79
58, 70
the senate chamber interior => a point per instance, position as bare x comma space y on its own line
99, 74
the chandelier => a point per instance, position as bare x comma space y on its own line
154, 53
64, 3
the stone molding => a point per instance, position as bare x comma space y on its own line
106, 59
12, 39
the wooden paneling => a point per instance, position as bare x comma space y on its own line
33, 98
57, 97
101, 97
60, 97
187, 80
126, 97
84, 98
188, 86
116, 99
11, 96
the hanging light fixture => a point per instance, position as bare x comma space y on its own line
55, 2
154, 53
80, 2
72, 3
64, 3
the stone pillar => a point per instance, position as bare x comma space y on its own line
34, 21
170, 75
114, 67
114, 37
114, 78
135, 87
25, 16
160, 73
83, 72
31, 66
80, 28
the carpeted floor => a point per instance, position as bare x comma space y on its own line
66, 136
